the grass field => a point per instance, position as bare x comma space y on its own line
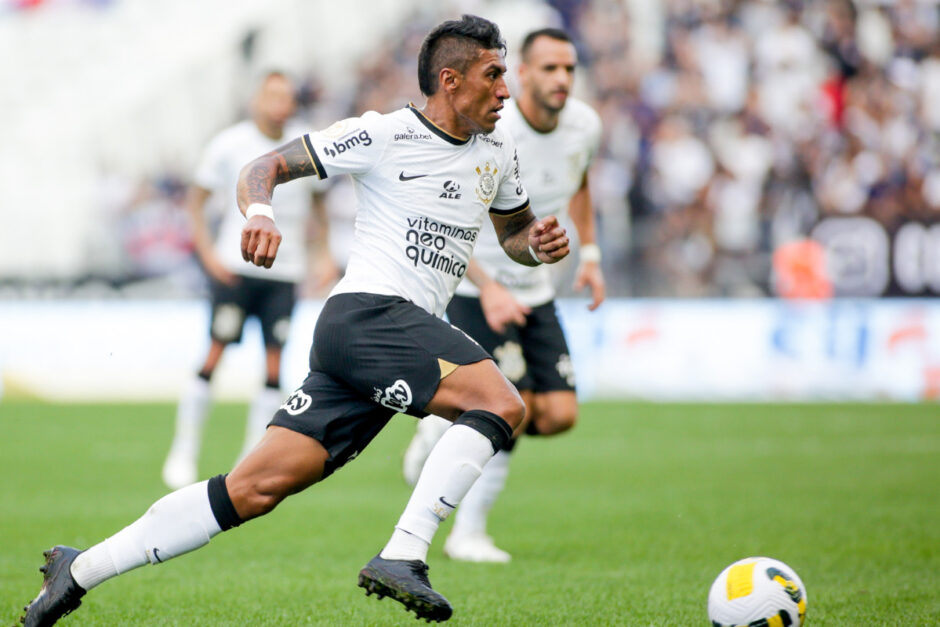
624, 521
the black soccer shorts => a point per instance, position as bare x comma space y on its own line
272, 302
534, 357
372, 357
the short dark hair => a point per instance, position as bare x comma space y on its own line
553, 33
452, 45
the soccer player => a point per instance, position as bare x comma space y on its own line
239, 290
426, 180
508, 308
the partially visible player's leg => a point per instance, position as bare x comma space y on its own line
553, 412
273, 304
284, 463
180, 467
427, 433
486, 408
266, 401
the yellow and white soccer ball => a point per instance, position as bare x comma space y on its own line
757, 592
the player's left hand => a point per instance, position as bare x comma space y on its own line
589, 275
549, 240
260, 241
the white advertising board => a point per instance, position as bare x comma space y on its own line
644, 349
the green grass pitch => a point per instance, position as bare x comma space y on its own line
624, 521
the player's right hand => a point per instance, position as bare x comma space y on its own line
500, 307
260, 241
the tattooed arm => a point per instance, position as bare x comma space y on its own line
521, 233
258, 178
256, 183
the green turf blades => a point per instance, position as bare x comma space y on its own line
626, 520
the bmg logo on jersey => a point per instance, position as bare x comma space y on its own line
451, 190
348, 143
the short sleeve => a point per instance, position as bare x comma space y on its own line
511, 196
350, 146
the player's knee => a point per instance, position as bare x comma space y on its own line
510, 408
551, 418
556, 423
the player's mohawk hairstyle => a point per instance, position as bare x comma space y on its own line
454, 44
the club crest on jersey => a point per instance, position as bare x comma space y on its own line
396, 397
486, 186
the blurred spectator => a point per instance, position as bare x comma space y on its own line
731, 128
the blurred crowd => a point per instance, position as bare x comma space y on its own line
751, 148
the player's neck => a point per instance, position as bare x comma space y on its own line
538, 117
271, 131
445, 117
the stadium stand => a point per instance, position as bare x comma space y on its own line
731, 129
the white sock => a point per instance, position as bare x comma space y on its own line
452, 467
190, 419
262, 409
176, 524
475, 507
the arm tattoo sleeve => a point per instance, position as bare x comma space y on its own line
257, 179
513, 232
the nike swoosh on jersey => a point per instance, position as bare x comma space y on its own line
402, 177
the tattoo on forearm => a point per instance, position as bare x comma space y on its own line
259, 178
258, 182
514, 237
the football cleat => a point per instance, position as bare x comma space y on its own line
406, 581
60, 594
474, 547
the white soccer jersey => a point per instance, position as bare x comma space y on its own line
423, 195
218, 171
552, 166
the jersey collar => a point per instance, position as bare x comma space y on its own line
437, 130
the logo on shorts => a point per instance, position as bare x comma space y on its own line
396, 397
281, 330
510, 360
566, 369
297, 403
227, 322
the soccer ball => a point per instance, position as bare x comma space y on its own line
757, 592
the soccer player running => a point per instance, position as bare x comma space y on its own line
239, 290
508, 308
426, 180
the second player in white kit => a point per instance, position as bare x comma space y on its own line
508, 308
